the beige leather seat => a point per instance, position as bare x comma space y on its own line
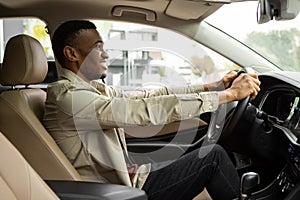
21, 110
17, 178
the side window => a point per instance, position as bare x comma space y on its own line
144, 56
31, 26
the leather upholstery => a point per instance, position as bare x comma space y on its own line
17, 179
24, 62
21, 110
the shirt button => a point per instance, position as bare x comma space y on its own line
210, 107
190, 115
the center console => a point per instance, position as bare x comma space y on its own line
71, 190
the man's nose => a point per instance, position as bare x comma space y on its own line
104, 54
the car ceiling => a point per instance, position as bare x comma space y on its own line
181, 9
175, 14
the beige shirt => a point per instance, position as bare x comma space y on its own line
87, 121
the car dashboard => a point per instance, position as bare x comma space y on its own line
279, 100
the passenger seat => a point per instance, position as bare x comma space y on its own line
19, 181
17, 178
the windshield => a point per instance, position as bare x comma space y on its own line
277, 41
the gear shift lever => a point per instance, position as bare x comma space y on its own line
249, 181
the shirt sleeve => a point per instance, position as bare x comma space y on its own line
189, 89
155, 109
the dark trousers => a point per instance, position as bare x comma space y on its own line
208, 167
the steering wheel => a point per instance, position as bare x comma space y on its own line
218, 118
235, 116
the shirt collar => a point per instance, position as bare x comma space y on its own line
71, 76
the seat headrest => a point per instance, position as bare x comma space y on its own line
24, 62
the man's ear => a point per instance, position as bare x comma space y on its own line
70, 53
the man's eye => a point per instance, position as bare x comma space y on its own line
99, 48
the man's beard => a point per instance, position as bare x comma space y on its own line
102, 77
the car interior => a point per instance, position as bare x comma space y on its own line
26, 107
266, 156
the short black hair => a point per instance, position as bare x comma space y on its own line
65, 34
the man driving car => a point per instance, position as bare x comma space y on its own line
87, 120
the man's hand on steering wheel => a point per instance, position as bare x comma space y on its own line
242, 86
222, 84
228, 79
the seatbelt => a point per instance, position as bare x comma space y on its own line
131, 166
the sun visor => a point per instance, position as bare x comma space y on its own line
193, 9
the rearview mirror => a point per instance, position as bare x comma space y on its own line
264, 12
277, 9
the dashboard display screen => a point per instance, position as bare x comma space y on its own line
284, 106
279, 103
